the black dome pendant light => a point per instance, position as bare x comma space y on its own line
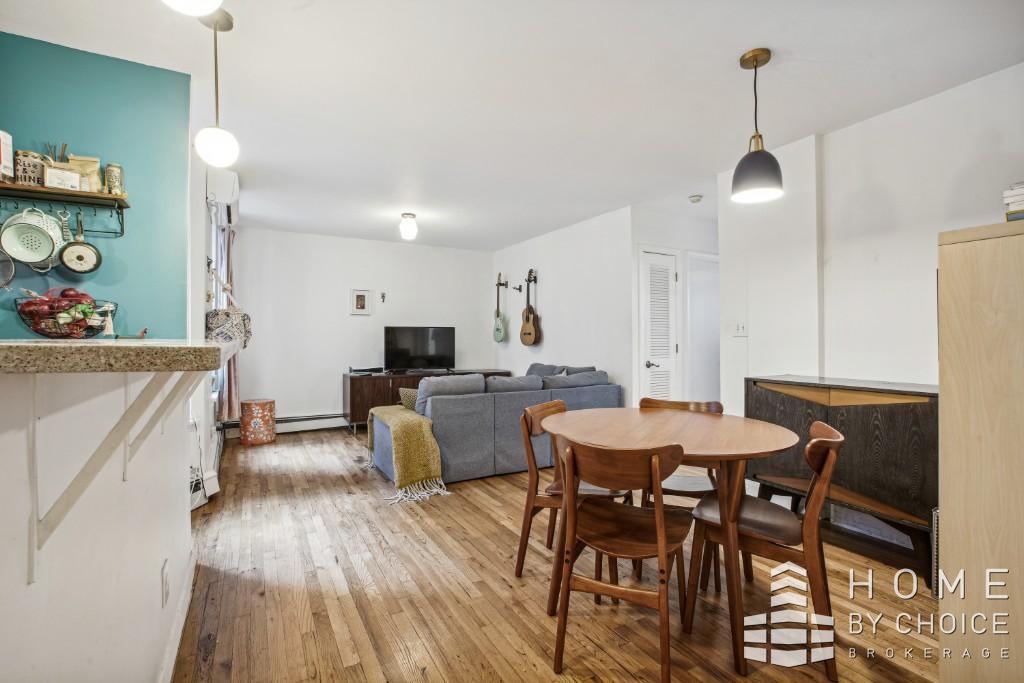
757, 177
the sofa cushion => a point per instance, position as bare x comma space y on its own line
449, 385
407, 397
525, 383
543, 369
580, 379
509, 453
464, 430
575, 371
597, 396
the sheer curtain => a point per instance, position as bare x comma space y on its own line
226, 379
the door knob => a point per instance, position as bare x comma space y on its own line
649, 364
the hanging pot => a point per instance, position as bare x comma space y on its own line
79, 256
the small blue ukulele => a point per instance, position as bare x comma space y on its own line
499, 322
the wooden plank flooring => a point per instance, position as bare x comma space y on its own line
305, 574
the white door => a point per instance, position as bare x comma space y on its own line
658, 323
703, 382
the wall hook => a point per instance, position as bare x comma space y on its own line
518, 288
383, 295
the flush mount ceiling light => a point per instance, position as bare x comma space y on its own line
215, 145
194, 8
408, 227
757, 177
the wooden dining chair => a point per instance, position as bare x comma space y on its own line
620, 530
692, 486
774, 532
551, 497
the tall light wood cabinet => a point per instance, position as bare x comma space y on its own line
981, 441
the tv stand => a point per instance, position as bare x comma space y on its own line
360, 392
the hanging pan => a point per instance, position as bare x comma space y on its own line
79, 256
6, 270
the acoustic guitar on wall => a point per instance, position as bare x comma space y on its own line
529, 333
500, 333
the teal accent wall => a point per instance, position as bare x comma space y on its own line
129, 114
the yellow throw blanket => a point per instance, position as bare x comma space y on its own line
417, 458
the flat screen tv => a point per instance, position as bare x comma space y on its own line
419, 348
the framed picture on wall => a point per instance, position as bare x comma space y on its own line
360, 302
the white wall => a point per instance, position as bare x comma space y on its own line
857, 240
94, 612
584, 297
769, 277
892, 183
296, 288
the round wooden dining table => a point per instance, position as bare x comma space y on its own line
720, 442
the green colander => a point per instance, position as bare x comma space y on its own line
27, 243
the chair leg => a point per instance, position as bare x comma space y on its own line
556, 567
748, 567
718, 568
696, 560
598, 561
638, 570
628, 498
563, 607
665, 651
705, 553
681, 577
645, 498
524, 535
613, 574
817, 577
552, 519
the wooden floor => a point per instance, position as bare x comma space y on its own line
306, 574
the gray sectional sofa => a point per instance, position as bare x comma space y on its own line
479, 434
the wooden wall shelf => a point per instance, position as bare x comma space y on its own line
35, 195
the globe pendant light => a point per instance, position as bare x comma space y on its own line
408, 228
215, 145
757, 177
194, 8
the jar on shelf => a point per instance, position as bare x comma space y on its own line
113, 177
28, 167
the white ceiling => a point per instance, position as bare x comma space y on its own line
497, 121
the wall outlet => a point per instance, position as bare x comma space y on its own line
165, 585
740, 330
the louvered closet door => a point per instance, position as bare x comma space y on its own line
658, 322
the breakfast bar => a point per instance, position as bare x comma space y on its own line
153, 378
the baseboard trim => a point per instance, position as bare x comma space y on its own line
180, 615
296, 423
234, 424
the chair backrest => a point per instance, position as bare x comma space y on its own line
623, 469
821, 453
530, 425
692, 406
619, 469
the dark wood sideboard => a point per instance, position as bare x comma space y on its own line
888, 467
362, 391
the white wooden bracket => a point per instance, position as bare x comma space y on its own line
41, 528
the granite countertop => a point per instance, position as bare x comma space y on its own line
109, 355
843, 383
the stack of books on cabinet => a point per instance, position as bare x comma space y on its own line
1014, 201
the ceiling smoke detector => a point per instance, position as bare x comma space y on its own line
695, 198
